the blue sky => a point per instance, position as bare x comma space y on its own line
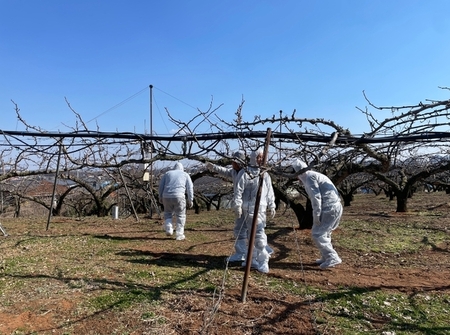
313, 56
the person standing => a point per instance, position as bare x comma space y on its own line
174, 186
239, 231
244, 202
327, 212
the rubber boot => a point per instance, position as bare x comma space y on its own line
180, 233
263, 261
240, 251
254, 261
168, 227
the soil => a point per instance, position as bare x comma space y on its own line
233, 310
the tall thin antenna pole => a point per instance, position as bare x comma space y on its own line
279, 153
151, 133
151, 110
153, 205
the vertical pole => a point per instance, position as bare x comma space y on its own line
54, 184
150, 154
151, 134
251, 242
279, 154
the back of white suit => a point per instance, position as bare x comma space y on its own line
176, 183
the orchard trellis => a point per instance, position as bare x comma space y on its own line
408, 146
399, 151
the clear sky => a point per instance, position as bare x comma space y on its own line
313, 56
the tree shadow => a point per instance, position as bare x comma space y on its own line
175, 260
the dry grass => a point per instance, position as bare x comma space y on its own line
104, 276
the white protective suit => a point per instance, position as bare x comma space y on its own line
327, 212
239, 230
173, 188
244, 202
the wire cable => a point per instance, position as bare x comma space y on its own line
308, 296
119, 104
209, 318
175, 98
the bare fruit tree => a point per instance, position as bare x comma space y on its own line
397, 151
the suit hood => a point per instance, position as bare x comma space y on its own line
178, 166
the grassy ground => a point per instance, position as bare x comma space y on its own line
104, 276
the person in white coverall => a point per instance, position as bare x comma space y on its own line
327, 212
173, 188
239, 230
244, 201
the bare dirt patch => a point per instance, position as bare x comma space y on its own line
50, 294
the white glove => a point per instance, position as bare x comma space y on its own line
272, 212
209, 166
238, 212
316, 221
190, 204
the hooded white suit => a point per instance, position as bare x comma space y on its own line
244, 202
327, 212
173, 188
239, 230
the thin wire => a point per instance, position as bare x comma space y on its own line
308, 296
167, 129
119, 104
159, 111
221, 292
215, 307
175, 98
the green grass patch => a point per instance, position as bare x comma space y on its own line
358, 310
132, 271
123, 299
390, 238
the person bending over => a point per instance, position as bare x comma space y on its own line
327, 212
